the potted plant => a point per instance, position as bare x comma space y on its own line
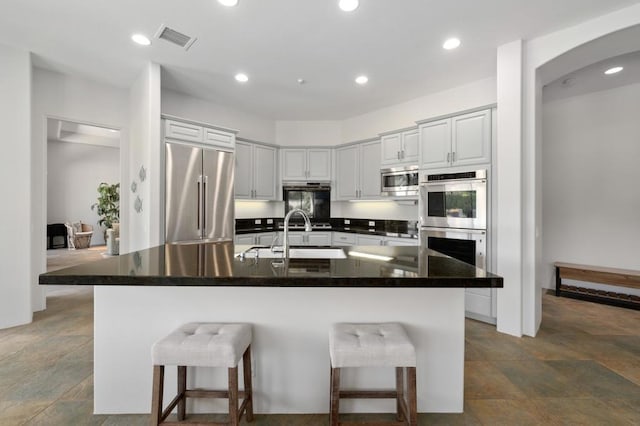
108, 205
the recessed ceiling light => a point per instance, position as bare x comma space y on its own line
613, 70
451, 43
242, 78
229, 3
141, 39
348, 5
362, 79
301, 81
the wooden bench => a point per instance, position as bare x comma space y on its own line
601, 275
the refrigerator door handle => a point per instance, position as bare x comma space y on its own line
199, 209
204, 205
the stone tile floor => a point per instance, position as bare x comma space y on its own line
582, 368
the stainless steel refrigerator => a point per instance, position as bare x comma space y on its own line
198, 194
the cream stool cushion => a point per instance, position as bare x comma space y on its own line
370, 345
203, 345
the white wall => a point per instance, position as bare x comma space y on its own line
15, 187
250, 126
145, 150
472, 95
306, 133
590, 175
74, 99
74, 172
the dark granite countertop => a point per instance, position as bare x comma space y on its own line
215, 264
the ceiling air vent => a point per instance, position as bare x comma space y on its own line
175, 37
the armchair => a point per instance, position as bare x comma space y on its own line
79, 235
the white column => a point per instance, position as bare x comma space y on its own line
15, 187
508, 173
143, 229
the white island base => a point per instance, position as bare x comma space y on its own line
290, 343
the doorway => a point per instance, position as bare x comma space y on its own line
80, 157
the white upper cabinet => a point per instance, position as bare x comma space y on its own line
369, 172
435, 141
243, 182
219, 138
358, 171
202, 134
312, 164
183, 131
347, 172
457, 141
471, 138
255, 176
400, 148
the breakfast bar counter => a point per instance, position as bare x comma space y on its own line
141, 296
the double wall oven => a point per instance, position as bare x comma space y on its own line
453, 215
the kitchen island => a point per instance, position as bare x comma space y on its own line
142, 296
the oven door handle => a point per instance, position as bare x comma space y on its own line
458, 230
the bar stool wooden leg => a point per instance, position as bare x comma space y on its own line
233, 396
400, 414
413, 397
248, 386
158, 388
182, 388
335, 397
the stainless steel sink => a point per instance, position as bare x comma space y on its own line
298, 253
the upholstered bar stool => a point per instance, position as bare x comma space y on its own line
374, 345
203, 345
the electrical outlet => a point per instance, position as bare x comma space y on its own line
269, 221
372, 223
347, 222
258, 221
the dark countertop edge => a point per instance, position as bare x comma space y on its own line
310, 282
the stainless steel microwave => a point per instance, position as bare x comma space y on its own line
399, 182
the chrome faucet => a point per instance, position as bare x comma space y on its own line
307, 228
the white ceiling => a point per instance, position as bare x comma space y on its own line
592, 78
396, 43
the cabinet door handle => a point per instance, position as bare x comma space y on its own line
398, 154
448, 157
453, 157
402, 153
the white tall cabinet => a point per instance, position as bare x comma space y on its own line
358, 171
255, 177
462, 140
306, 164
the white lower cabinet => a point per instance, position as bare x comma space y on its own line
301, 238
479, 304
392, 241
248, 239
379, 240
343, 239
369, 240
260, 238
